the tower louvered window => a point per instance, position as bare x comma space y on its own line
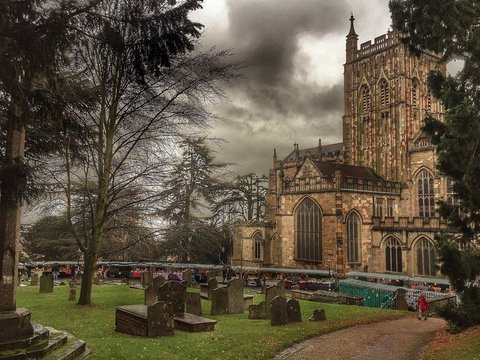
308, 231
384, 94
415, 92
426, 257
365, 100
393, 255
426, 194
353, 237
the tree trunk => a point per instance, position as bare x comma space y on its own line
89, 269
12, 181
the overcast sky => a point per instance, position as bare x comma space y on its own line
293, 86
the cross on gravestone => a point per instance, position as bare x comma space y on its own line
46, 284
279, 311
219, 301
293, 311
235, 296
175, 293
193, 303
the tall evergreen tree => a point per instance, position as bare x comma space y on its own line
452, 28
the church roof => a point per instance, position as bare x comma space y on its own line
328, 169
327, 150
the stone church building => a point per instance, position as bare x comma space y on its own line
368, 203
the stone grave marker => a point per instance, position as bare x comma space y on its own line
150, 295
187, 277
146, 278
270, 294
160, 319
158, 281
279, 311
46, 284
293, 311
281, 288
212, 285
193, 303
318, 315
219, 301
96, 280
72, 294
257, 311
400, 299
235, 296
174, 292
34, 280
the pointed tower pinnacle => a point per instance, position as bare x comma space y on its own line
352, 42
352, 28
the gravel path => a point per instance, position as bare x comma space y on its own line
390, 340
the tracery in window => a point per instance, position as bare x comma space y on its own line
353, 237
426, 257
393, 255
308, 230
426, 194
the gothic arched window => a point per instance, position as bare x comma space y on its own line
308, 230
384, 93
426, 257
353, 237
257, 246
452, 198
426, 194
365, 92
393, 255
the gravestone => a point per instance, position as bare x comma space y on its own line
34, 280
158, 281
219, 301
193, 303
174, 292
400, 299
293, 311
318, 315
257, 311
279, 311
270, 294
160, 319
235, 296
187, 277
150, 295
146, 278
46, 284
212, 285
72, 294
281, 288
96, 280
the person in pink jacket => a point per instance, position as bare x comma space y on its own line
423, 307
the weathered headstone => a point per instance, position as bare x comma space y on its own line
34, 280
193, 303
235, 296
150, 295
270, 294
318, 315
219, 301
293, 311
257, 311
158, 281
187, 277
212, 285
400, 299
175, 293
72, 294
160, 319
146, 278
281, 288
46, 284
279, 311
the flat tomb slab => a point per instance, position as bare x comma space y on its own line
193, 323
132, 319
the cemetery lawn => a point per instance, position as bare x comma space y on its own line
235, 336
465, 345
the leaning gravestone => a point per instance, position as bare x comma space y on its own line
46, 284
158, 281
34, 280
219, 301
193, 303
212, 285
293, 311
175, 293
279, 311
187, 277
257, 311
318, 315
235, 296
160, 319
150, 294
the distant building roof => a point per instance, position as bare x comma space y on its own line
328, 169
331, 149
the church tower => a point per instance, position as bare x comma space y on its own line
386, 98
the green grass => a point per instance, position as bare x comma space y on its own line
235, 336
462, 346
